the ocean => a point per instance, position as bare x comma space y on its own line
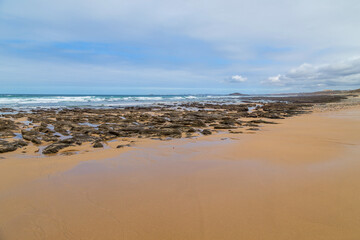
30, 101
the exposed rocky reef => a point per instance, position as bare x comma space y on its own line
57, 129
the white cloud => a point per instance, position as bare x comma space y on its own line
275, 79
236, 79
344, 73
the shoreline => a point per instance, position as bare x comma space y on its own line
52, 131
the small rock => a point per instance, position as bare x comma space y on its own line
36, 141
121, 146
206, 132
55, 147
191, 130
98, 145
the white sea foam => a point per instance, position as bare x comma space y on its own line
191, 97
143, 98
45, 100
176, 98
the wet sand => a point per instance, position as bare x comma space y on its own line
299, 179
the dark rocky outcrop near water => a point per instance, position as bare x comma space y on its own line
6, 146
57, 129
55, 147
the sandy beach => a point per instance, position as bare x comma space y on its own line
298, 179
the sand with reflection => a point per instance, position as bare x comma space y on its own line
296, 180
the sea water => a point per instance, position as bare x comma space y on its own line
29, 101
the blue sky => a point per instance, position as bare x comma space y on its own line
173, 47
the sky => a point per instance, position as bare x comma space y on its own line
178, 47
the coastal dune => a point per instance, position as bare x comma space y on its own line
298, 179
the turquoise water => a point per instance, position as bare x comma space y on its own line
103, 101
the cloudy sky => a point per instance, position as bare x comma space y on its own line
187, 46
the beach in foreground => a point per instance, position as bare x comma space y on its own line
298, 179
